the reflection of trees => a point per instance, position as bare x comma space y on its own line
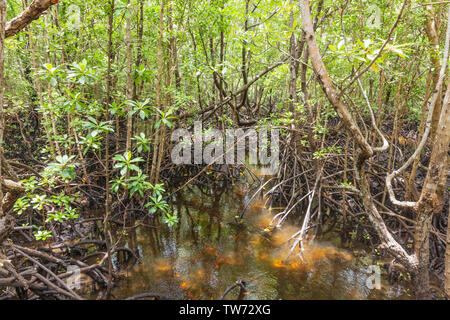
198, 202
131, 234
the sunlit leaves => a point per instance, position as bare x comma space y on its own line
143, 143
143, 109
42, 234
170, 220
64, 167
81, 73
50, 73
21, 205
97, 127
164, 118
157, 203
126, 162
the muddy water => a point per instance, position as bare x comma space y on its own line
208, 251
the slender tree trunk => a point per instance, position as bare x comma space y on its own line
158, 138
130, 86
431, 28
293, 98
106, 224
6, 220
364, 152
432, 31
137, 88
2, 86
50, 100
411, 191
139, 126
447, 260
39, 91
433, 197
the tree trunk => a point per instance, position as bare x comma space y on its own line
433, 36
130, 89
432, 198
365, 150
2, 86
447, 259
106, 224
140, 32
158, 137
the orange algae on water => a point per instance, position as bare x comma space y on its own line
162, 265
185, 284
312, 256
281, 236
257, 206
211, 251
264, 219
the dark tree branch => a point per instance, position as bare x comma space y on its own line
233, 94
33, 12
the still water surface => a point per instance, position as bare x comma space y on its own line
208, 251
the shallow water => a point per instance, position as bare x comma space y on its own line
208, 251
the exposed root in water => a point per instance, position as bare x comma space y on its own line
242, 289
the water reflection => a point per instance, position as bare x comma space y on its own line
208, 251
